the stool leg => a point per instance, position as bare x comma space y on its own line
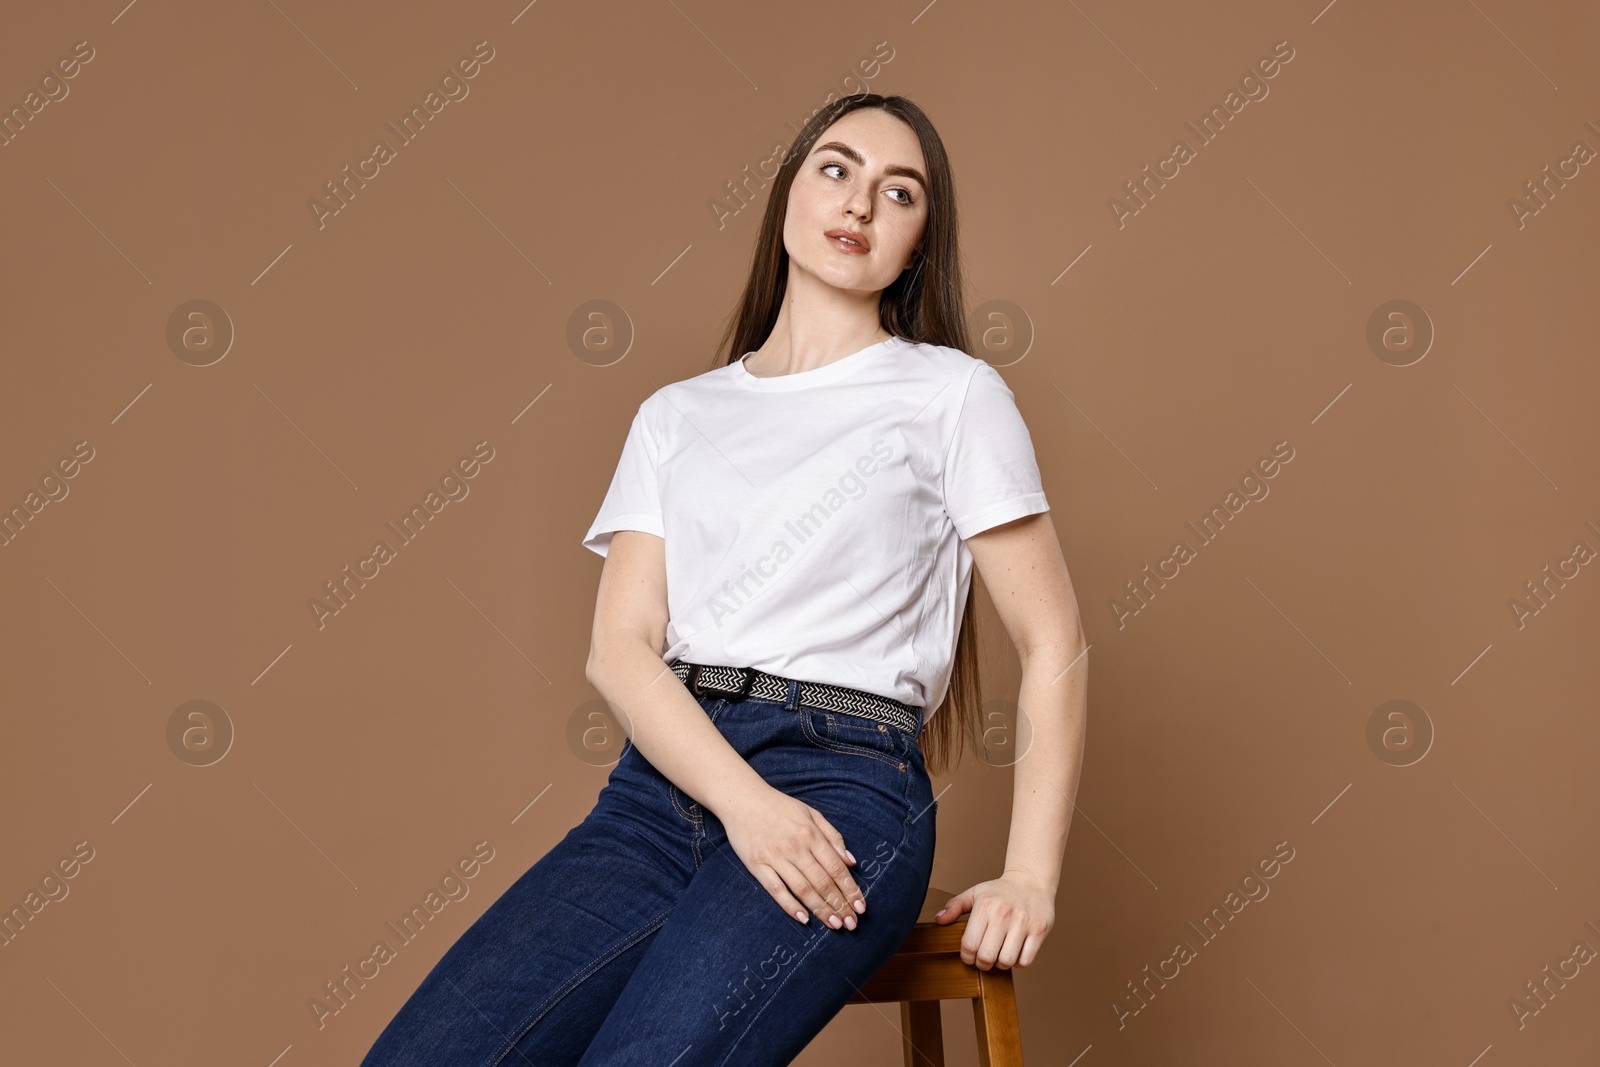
921, 1032
994, 1012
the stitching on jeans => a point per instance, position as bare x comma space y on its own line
843, 721
905, 828
807, 726
864, 749
673, 794
696, 838
572, 983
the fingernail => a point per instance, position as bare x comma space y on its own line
850, 922
849, 856
833, 921
861, 907
800, 915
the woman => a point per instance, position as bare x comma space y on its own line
785, 601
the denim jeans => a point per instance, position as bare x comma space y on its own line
641, 937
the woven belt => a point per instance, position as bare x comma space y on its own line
742, 682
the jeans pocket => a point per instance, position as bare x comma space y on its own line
854, 735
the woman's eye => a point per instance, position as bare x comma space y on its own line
906, 193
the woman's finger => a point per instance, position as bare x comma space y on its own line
955, 907
855, 902
994, 939
1030, 949
843, 886
801, 887
972, 937
1011, 949
811, 879
827, 871
774, 885
833, 835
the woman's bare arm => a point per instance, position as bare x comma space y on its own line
1026, 576
787, 845
664, 720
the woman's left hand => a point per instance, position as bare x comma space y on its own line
1010, 917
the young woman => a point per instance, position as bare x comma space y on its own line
785, 602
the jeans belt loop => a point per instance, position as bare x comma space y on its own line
694, 679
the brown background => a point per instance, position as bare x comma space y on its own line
446, 704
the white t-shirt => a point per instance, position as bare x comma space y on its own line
815, 522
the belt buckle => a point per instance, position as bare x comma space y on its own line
740, 694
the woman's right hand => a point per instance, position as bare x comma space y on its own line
797, 856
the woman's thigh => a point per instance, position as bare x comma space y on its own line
536, 974
732, 978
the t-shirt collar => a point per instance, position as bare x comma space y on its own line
828, 372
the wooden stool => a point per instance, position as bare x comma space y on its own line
926, 969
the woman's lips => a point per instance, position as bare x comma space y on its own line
845, 246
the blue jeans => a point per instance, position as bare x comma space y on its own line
641, 937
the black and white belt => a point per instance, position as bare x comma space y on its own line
742, 682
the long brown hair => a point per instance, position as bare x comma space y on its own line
923, 305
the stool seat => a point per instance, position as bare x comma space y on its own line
926, 969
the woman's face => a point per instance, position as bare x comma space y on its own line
864, 177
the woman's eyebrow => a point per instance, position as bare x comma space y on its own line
855, 157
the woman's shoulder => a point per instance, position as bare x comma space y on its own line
714, 379
687, 390
943, 362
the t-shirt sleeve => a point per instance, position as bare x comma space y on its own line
990, 473
633, 502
